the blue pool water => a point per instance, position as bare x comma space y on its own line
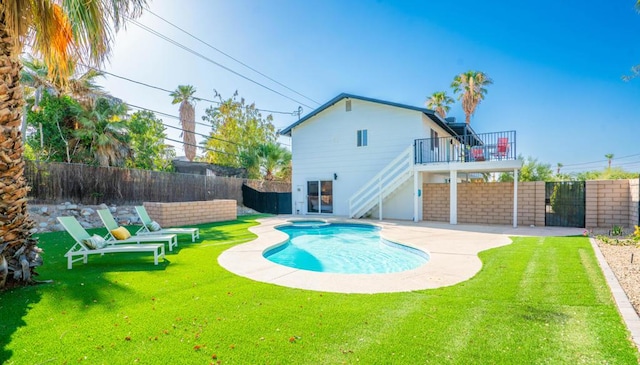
343, 248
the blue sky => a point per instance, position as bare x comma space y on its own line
556, 65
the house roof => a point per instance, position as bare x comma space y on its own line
428, 112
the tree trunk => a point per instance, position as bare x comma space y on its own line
188, 121
17, 247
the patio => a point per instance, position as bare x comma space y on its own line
453, 250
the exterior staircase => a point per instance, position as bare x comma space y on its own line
381, 186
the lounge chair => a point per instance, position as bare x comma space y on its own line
147, 226
80, 248
111, 225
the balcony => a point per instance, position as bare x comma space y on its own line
473, 147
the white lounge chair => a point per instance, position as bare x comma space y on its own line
111, 224
148, 229
80, 248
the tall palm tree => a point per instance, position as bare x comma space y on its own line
184, 95
470, 86
559, 167
440, 101
609, 157
59, 31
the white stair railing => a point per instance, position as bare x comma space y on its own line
396, 173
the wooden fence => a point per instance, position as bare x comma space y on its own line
54, 182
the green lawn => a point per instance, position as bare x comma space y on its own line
537, 301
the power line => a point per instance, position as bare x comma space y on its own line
182, 129
231, 57
600, 161
295, 112
205, 148
627, 164
177, 44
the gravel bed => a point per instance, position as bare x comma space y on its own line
628, 273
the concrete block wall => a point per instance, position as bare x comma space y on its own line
435, 202
531, 205
486, 203
634, 202
496, 205
188, 213
607, 203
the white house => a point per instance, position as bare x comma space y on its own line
356, 156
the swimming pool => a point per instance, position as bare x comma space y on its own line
342, 248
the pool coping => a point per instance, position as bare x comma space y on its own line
453, 251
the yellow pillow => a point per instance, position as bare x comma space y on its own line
121, 233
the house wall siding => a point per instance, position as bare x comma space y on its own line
326, 145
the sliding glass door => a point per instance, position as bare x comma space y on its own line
320, 196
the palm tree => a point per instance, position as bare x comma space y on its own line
440, 101
609, 157
559, 167
81, 87
274, 160
471, 88
104, 129
184, 95
59, 31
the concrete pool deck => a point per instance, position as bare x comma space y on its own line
453, 251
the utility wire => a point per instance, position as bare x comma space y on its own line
599, 161
177, 44
231, 57
615, 164
170, 91
183, 130
207, 149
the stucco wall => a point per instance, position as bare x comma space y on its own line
186, 213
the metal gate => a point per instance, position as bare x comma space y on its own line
565, 204
266, 202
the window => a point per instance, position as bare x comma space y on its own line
362, 138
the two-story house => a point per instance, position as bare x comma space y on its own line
356, 156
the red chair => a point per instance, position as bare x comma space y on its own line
477, 153
502, 148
